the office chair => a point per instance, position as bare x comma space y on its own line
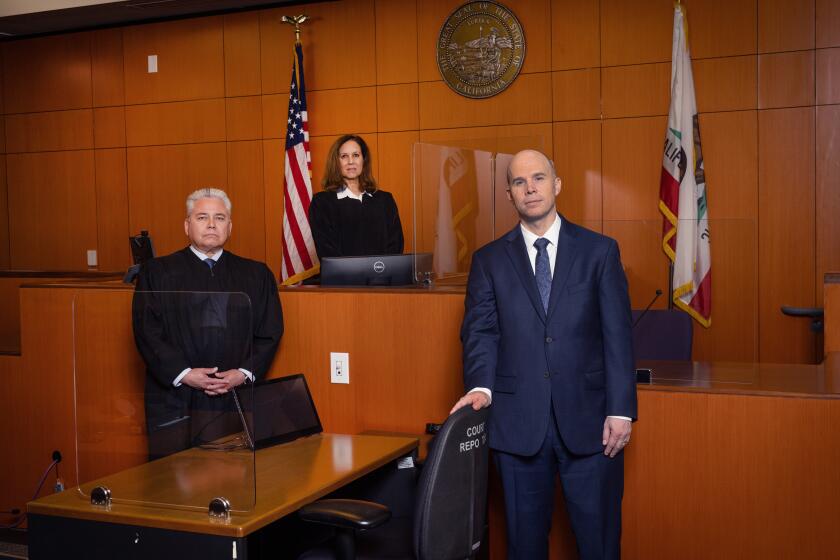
662, 334
450, 505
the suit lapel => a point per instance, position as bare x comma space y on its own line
566, 253
522, 265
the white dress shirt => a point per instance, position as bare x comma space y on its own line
345, 193
552, 234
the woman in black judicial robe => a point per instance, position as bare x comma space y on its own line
352, 216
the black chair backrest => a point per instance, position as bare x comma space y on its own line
451, 504
662, 334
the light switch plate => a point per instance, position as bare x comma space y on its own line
91, 258
339, 367
152, 63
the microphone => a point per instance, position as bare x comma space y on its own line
639, 318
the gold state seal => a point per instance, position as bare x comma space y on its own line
480, 49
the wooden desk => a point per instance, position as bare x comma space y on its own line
732, 460
281, 478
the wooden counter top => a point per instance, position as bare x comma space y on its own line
744, 378
60, 274
287, 476
414, 290
83, 285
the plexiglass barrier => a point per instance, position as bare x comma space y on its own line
161, 439
453, 204
460, 202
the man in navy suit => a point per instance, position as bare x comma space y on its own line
547, 340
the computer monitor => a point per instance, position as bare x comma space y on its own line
280, 410
261, 415
375, 270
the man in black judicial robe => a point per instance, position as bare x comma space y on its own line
205, 321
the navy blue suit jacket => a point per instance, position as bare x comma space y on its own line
578, 357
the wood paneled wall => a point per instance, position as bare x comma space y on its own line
95, 148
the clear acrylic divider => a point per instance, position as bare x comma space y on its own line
453, 209
148, 441
459, 205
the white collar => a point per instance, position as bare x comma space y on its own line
345, 192
204, 257
552, 234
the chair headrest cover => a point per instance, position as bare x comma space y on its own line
450, 513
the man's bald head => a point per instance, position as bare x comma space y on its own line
530, 154
533, 187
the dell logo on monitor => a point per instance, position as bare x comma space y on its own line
379, 267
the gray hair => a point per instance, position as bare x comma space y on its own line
548, 159
207, 192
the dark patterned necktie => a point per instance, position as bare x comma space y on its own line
542, 271
210, 262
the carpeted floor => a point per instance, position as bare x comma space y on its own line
13, 545
13, 550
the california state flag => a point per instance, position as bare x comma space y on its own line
682, 189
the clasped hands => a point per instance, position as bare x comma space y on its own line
212, 381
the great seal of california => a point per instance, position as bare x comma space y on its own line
480, 49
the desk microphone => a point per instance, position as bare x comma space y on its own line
639, 318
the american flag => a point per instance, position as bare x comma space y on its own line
299, 258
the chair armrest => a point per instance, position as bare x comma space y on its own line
346, 514
812, 312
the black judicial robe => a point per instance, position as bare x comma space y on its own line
347, 227
187, 315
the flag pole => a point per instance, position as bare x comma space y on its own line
300, 260
678, 6
670, 285
296, 21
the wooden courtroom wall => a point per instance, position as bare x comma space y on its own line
95, 148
